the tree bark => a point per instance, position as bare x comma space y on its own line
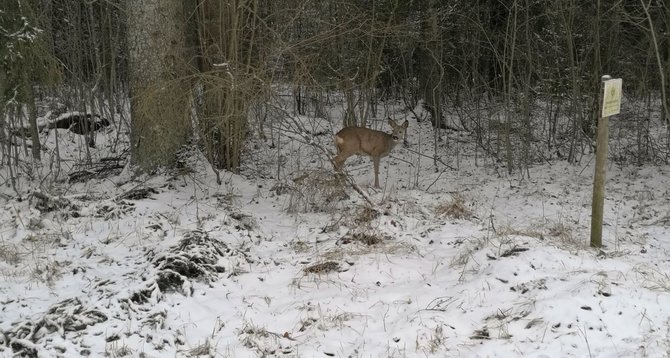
160, 122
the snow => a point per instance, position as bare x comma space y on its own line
513, 277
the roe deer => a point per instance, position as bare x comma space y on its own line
369, 142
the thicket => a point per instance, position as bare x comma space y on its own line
515, 74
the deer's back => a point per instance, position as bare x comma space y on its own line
359, 140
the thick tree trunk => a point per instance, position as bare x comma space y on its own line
159, 103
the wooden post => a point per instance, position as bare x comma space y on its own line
598, 201
610, 103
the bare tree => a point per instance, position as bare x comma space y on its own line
26, 61
654, 41
229, 77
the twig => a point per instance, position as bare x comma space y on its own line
433, 158
353, 184
436, 179
588, 347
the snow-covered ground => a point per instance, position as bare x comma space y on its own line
462, 261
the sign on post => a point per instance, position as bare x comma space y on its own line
611, 97
610, 105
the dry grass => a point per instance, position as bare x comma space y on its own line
48, 271
322, 267
369, 239
565, 235
115, 349
204, 349
366, 237
300, 246
557, 233
9, 254
366, 215
652, 278
316, 190
456, 208
431, 341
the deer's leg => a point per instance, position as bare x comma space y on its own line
376, 164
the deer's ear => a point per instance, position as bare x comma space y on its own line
404, 125
391, 122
